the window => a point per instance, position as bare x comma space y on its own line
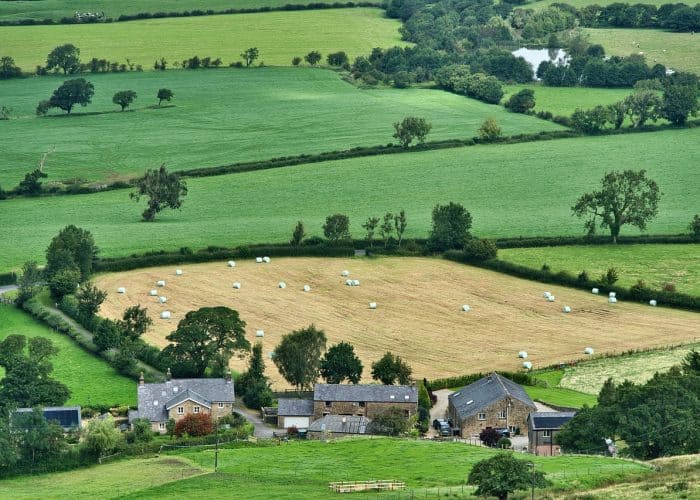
406, 413
180, 410
481, 416
502, 414
221, 405
362, 404
161, 425
328, 404
195, 409
547, 433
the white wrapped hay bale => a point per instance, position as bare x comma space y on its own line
160, 283
165, 315
355, 282
546, 295
612, 294
237, 285
258, 260
567, 309
588, 350
271, 354
266, 260
372, 305
550, 298
121, 289
595, 291
307, 288
527, 365
178, 272
231, 263
466, 308
282, 284
348, 282
162, 299
522, 354
612, 300
345, 273
652, 303
259, 333
153, 292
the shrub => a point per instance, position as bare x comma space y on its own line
489, 436
194, 424
504, 442
583, 277
296, 61
489, 130
64, 282
609, 277
668, 287
479, 250
694, 226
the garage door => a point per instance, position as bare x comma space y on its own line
298, 422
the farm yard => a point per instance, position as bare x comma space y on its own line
279, 36
511, 190
418, 313
259, 114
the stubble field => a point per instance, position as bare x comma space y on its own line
418, 315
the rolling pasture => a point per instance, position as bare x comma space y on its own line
511, 190
679, 51
90, 380
220, 117
418, 316
563, 101
279, 36
655, 264
57, 9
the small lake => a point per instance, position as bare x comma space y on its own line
537, 56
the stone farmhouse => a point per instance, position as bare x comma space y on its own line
543, 427
492, 401
173, 399
364, 400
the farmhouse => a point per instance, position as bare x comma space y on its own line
338, 426
173, 399
541, 429
68, 417
293, 412
365, 400
493, 401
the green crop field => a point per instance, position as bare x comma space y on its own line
511, 190
655, 264
56, 9
679, 51
560, 396
563, 101
90, 380
588, 377
278, 35
220, 117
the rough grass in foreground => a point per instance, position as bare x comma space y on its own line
219, 117
91, 380
279, 36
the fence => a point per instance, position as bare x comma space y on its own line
354, 486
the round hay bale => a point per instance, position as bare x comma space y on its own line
348, 282
266, 260
237, 285
258, 260
652, 303
153, 292
466, 308
121, 289
612, 294
307, 288
271, 354
522, 354
612, 300
550, 298
259, 333
160, 283
178, 272
282, 284
345, 273
588, 350
165, 315
355, 282
546, 295
567, 309
595, 291
231, 263
527, 365
372, 305
162, 299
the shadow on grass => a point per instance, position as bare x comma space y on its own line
114, 111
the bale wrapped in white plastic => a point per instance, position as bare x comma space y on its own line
372, 305
355, 282
307, 288
527, 365
588, 350
595, 291
266, 260
165, 315
652, 303
550, 298
612, 294
282, 284
259, 333
258, 260
231, 263
567, 309
121, 289
345, 273
160, 283
348, 282
522, 354
178, 272
466, 308
153, 292
546, 295
612, 300
237, 285
162, 299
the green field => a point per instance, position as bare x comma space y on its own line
278, 35
655, 264
589, 377
56, 9
511, 190
221, 117
563, 101
682, 49
90, 380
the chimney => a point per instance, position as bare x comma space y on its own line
141, 380
228, 376
168, 375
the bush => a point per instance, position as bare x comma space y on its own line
609, 277
694, 227
489, 130
504, 442
489, 436
476, 250
64, 282
194, 424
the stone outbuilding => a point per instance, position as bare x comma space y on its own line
364, 400
334, 426
292, 412
492, 401
542, 427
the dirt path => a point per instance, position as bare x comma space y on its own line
439, 409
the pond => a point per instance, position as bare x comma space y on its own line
536, 56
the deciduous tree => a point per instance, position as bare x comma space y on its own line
337, 228
72, 92
65, 57
313, 57
135, 322
503, 474
410, 128
489, 130
400, 224
124, 98
522, 101
250, 55
370, 226
72, 247
29, 281
298, 356
89, 299
163, 189
31, 184
387, 228
679, 102
390, 369
340, 363
298, 234
451, 224
164, 95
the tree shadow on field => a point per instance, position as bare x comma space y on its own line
110, 112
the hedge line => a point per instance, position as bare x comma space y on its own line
462, 380
635, 294
189, 13
8, 279
556, 241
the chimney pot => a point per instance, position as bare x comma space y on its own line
168, 375
141, 379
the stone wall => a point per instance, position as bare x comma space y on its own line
472, 426
365, 409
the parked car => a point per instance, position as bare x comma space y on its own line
445, 429
503, 431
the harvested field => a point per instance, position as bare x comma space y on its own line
418, 316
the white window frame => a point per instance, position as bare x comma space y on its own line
221, 405
546, 433
180, 410
503, 414
481, 416
161, 425
195, 409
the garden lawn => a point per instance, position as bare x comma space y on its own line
279, 36
682, 49
511, 190
563, 101
655, 264
57, 9
90, 379
220, 117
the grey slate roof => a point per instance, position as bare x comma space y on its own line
153, 398
475, 397
353, 424
371, 393
293, 407
549, 420
181, 397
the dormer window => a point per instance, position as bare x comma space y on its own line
163, 393
175, 389
155, 403
392, 397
